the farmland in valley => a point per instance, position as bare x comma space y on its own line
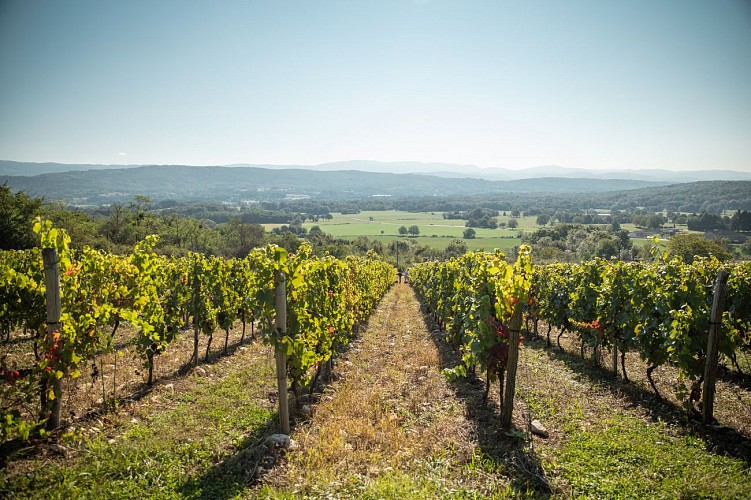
435, 231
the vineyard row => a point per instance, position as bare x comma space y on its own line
661, 310
158, 295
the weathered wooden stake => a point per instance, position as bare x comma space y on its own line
710, 369
615, 356
196, 319
280, 304
513, 360
52, 294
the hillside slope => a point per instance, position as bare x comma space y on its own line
257, 184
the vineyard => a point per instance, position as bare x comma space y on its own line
660, 310
160, 297
506, 321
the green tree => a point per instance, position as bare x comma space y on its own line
741, 221
469, 233
413, 230
607, 248
651, 221
139, 209
512, 224
403, 231
115, 228
401, 253
542, 219
456, 248
175, 230
745, 248
705, 222
17, 212
693, 245
80, 226
240, 237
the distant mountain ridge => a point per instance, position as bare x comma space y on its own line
252, 184
453, 170
445, 170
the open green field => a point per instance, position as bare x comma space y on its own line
435, 231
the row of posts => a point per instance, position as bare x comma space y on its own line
52, 282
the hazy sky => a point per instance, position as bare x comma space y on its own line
593, 84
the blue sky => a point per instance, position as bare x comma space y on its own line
592, 84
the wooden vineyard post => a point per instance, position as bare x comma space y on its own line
280, 304
52, 296
196, 319
710, 369
513, 360
615, 356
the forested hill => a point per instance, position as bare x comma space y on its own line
694, 197
705, 196
259, 184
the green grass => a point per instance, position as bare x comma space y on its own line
623, 456
197, 448
601, 447
427, 483
435, 231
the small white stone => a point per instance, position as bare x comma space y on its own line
537, 428
278, 441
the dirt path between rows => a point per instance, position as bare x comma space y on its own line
393, 425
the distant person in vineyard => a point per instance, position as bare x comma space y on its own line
406, 275
399, 275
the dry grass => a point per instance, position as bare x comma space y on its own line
391, 417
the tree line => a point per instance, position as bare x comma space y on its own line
182, 228
233, 231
